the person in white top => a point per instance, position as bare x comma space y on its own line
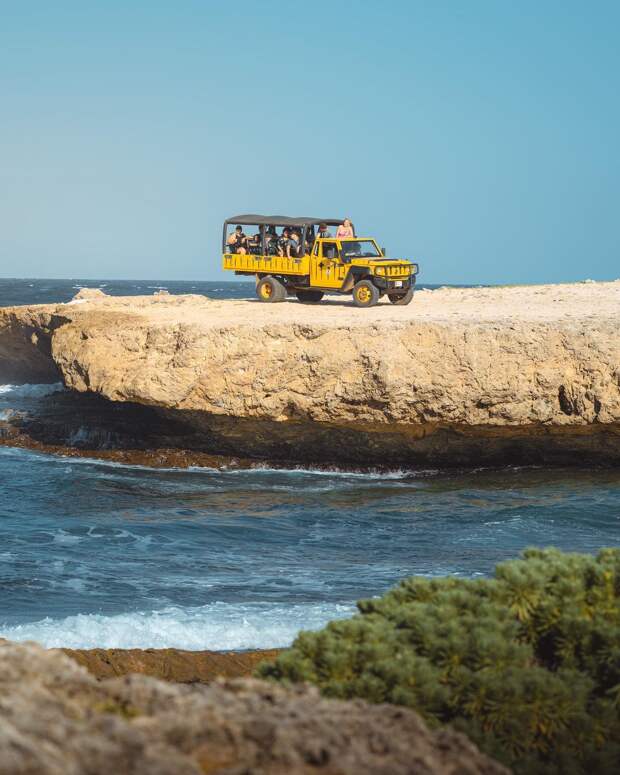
346, 230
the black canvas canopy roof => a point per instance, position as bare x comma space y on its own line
280, 220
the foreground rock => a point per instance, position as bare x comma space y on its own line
56, 719
459, 377
171, 664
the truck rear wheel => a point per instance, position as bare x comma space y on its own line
308, 295
401, 298
270, 289
365, 294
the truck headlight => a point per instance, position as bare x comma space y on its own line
380, 270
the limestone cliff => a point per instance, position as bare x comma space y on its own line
520, 374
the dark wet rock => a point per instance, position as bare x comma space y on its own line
87, 425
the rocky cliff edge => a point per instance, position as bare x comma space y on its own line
527, 371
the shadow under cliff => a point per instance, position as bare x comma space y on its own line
86, 424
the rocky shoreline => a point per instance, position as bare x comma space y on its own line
461, 377
56, 718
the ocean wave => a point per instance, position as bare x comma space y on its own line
31, 391
217, 627
330, 472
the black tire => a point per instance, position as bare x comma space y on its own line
269, 289
309, 295
401, 298
365, 294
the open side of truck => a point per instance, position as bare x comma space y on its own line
321, 265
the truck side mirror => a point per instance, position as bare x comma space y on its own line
383, 252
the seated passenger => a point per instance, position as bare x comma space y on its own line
323, 231
254, 243
271, 241
237, 241
284, 247
294, 244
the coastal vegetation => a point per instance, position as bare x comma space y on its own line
527, 663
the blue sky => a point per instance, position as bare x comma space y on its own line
480, 138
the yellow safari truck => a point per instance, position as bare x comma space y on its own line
301, 262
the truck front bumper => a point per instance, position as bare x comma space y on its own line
396, 284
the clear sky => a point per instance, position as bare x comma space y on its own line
480, 137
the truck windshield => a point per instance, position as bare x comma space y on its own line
363, 248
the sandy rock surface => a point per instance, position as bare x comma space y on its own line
89, 293
56, 719
171, 664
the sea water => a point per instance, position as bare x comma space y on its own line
95, 553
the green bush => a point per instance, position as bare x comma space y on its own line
527, 664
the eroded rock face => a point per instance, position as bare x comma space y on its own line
459, 375
56, 719
25, 346
340, 365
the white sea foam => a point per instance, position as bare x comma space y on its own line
217, 626
31, 391
331, 472
259, 471
62, 537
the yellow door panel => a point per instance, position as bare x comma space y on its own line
327, 269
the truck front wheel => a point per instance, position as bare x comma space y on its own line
308, 295
365, 294
270, 289
401, 298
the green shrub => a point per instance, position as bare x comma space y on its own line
527, 664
